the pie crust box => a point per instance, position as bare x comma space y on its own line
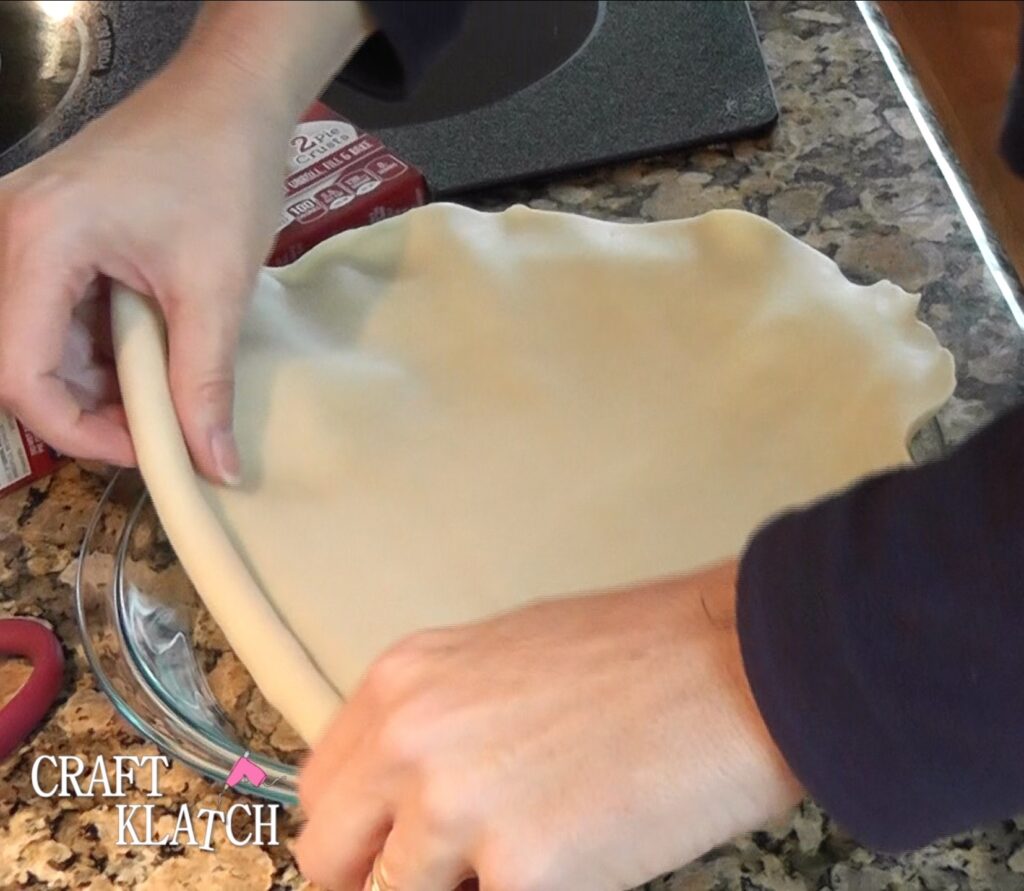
24, 457
338, 177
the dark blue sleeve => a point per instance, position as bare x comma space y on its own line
409, 36
883, 637
1011, 142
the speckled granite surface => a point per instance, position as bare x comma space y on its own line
845, 171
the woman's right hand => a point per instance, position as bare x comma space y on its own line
175, 193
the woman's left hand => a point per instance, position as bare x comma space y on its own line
590, 742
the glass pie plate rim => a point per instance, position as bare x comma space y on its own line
192, 726
139, 652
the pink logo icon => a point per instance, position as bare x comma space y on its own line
247, 770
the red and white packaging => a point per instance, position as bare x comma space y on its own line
339, 178
23, 456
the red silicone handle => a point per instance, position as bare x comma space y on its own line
34, 641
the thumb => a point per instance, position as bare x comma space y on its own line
202, 340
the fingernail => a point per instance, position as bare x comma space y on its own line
226, 459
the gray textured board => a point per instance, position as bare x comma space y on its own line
653, 76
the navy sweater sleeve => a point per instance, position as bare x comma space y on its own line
883, 633
409, 36
1012, 140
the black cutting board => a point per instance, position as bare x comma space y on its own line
534, 88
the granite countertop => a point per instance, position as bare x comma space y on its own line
846, 171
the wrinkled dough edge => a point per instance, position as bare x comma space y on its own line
291, 682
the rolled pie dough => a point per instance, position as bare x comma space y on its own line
451, 413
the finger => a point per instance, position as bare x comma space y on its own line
347, 728
337, 847
202, 340
416, 858
388, 681
40, 288
46, 406
352, 732
49, 410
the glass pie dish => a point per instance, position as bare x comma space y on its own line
163, 661
160, 658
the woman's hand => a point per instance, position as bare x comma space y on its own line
591, 742
176, 193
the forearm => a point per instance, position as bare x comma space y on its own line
281, 52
